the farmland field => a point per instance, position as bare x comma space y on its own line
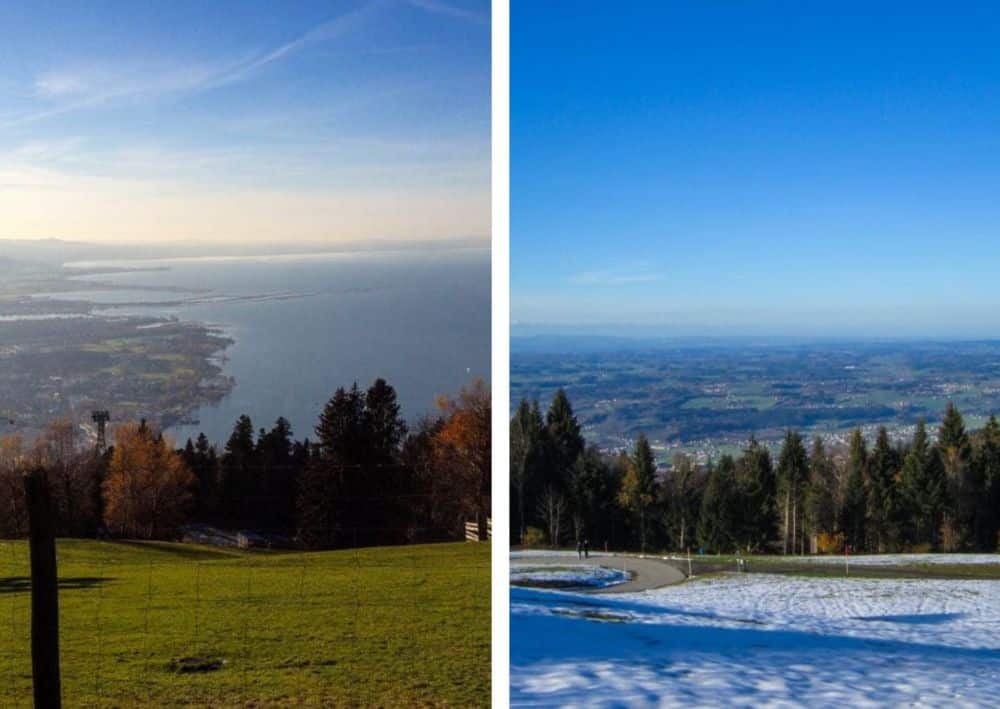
148, 624
708, 397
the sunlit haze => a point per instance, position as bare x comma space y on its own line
245, 122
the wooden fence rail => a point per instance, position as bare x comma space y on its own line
473, 533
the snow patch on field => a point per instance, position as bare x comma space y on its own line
552, 552
755, 639
907, 559
861, 560
588, 576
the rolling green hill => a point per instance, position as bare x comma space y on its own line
153, 624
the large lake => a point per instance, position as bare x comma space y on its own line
314, 323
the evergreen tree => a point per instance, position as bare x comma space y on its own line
956, 456
384, 425
278, 477
384, 482
430, 519
793, 471
821, 495
564, 439
318, 516
328, 505
638, 489
758, 485
341, 432
923, 489
718, 519
987, 461
201, 459
238, 471
952, 434
882, 493
682, 502
854, 506
590, 490
526, 451
188, 452
359, 437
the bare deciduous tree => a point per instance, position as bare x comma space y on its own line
552, 509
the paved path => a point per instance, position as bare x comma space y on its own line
647, 573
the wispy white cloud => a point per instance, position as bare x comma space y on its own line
339, 162
325, 32
263, 171
97, 84
69, 90
46, 150
612, 278
60, 85
441, 8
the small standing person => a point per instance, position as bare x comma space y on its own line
586, 548
579, 548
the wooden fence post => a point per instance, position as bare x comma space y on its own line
44, 593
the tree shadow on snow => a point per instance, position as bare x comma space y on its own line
914, 618
582, 635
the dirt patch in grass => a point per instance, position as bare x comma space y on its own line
187, 665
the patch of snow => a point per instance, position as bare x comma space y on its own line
756, 639
552, 552
905, 559
589, 576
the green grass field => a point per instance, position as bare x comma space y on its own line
708, 564
146, 624
800, 567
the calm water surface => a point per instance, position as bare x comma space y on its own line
311, 324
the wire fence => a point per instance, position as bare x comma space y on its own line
163, 624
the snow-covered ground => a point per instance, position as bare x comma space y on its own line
906, 559
755, 639
568, 575
864, 559
551, 552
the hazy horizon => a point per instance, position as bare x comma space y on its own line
268, 247
246, 123
981, 322
640, 335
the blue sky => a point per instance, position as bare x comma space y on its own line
786, 168
245, 121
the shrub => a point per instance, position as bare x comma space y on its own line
829, 543
533, 536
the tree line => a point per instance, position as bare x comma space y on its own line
364, 479
929, 493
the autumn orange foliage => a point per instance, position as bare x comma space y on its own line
829, 543
148, 486
462, 452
